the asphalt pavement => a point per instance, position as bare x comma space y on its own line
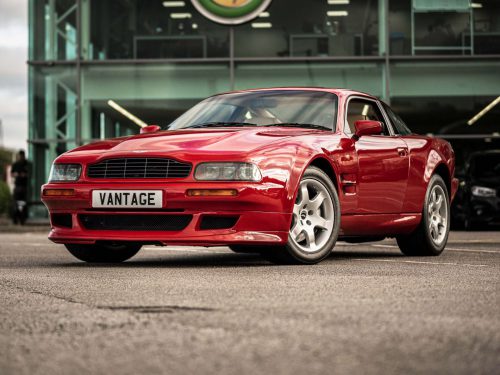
365, 310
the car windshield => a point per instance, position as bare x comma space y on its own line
486, 166
298, 108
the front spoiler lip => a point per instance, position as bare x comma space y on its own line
208, 240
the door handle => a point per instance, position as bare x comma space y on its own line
402, 151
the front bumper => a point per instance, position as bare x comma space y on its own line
258, 212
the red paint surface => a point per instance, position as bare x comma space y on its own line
381, 180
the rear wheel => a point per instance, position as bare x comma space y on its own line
103, 253
315, 223
431, 236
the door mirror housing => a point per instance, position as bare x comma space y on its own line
150, 129
367, 127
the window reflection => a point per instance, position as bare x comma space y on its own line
342, 28
129, 29
135, 29
53, 30
440, 30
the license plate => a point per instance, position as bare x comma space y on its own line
127, 199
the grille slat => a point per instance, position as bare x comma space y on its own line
135, 222
139, 168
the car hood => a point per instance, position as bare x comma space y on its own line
182, 143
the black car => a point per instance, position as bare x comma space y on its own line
477, 203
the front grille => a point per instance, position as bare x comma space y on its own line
139, 168
217, 222
135, 222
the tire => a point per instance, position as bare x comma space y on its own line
103, 253
431, 236
315, 224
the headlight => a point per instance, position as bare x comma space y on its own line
227, 172
480, 191
65, 172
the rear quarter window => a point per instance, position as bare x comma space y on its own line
397, 123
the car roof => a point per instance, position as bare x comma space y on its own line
341, 92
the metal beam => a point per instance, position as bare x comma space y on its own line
78, 133
231, 58
383, 49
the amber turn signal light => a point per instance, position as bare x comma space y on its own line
58, 192
212, 192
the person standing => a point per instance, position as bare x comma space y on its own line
20, 174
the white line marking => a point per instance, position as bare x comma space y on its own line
450, 249
417, 262
473, 241
472, 250
30, 244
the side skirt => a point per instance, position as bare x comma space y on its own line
383, 225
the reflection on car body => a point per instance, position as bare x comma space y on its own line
283, 172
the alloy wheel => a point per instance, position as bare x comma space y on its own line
437, 214
313, 216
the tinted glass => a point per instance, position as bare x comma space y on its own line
53, 29
398, 124
359, 109
311, 28
443, 30
134, 29
263, 108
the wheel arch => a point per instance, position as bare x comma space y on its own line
442, 171
324, 164
321, 162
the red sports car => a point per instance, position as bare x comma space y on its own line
283, 172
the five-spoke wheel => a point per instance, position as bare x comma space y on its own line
313, 216
315, 222
437, 215
431, 235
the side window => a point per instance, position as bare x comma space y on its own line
398, 124
359, 109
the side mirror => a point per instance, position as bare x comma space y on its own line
150, 129
368, 127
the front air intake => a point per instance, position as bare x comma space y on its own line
135, 222
217, 222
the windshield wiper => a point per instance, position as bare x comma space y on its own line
298, 125
219, 123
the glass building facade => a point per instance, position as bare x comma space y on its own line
437, 62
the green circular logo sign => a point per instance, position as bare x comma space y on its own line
231, 12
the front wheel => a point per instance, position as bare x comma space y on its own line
315, 223
431, 236
103, 253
